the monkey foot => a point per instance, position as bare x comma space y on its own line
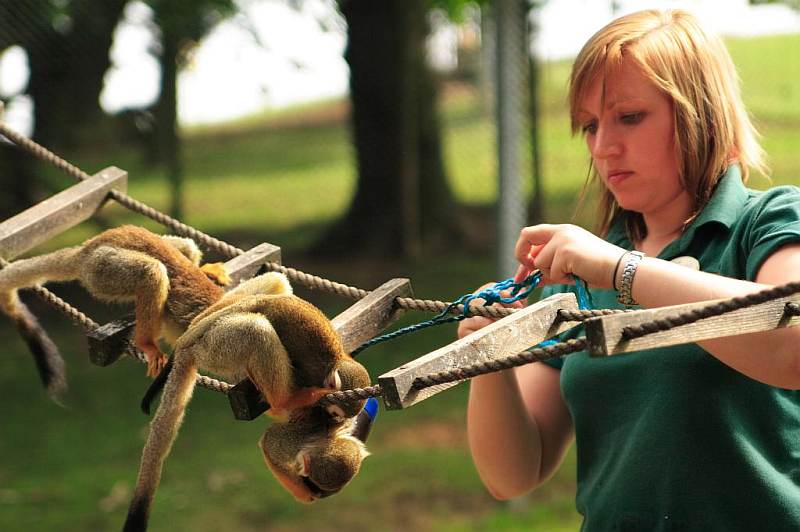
155, 365
217, 273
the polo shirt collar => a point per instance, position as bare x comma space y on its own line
724, 208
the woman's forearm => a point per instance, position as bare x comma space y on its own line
769, 356
504, 439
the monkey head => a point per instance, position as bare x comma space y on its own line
313, 456
347, 375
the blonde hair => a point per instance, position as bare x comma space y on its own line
693, 68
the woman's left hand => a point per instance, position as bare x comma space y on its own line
561, 250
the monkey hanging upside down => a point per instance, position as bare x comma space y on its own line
292, 354
285, 345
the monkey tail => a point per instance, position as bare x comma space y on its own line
163, 430
48, 360
156, 386
59, 265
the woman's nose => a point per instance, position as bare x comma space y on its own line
607, 144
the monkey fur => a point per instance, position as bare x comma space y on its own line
313, 456
160, 274
317, 356
285, 345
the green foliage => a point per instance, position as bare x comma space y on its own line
455, 9
192, 19
794, 4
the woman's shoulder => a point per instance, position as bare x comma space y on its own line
776, 193
780, 201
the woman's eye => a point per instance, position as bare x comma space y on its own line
631, 118
589, 128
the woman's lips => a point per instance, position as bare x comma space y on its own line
618, 176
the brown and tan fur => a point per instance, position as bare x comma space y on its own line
314, 456
285, 345
159, 274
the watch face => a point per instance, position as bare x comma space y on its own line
689, 262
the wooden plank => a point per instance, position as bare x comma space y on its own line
58, 213
250, 263
372, 314
107, 343
363, 320
604, 334
246, 401
505, 337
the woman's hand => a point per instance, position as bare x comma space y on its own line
561, 250
470, 325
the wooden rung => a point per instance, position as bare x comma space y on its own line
503, 338
58, 213
604, 334
370, 315
363, 320
246, 401
249, 264
108, 343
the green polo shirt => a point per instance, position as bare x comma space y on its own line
671, 438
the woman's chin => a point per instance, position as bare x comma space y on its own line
629, 204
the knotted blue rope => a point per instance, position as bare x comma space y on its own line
490, 295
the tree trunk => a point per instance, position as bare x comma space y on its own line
67, 71
401, 179
536, 206
166, 112
67, 66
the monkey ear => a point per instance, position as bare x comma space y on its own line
303, 462
336, 412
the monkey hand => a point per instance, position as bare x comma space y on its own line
156, 360
217, 273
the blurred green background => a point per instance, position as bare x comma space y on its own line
285, 177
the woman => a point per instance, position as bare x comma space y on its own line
695, 437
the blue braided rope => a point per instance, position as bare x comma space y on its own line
582, 293
490, 294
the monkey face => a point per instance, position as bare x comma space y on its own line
312, 457
325, 467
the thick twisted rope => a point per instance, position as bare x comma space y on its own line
587, 314
46, 155
532, 354
713, 309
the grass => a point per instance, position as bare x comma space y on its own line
257, 180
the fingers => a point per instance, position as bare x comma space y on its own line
522, 273
531, 240
554, 265
471, 325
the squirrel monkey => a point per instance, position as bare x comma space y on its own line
160, 274
314, 456
285, 345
